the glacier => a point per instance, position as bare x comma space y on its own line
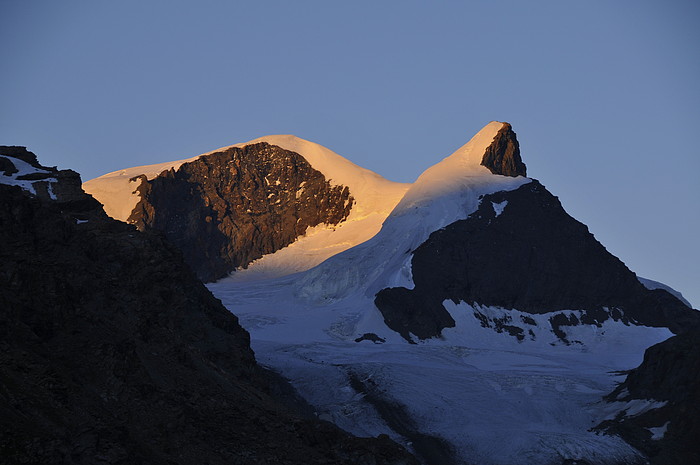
486, 396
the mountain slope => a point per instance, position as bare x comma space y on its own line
520, 250
234, 205
670, 377
111, 351
444, 193
521, 320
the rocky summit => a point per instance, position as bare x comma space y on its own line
113, 352
503, 155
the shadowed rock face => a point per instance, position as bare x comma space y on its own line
670, 372
21, 153
64, 184
532, 257
112, 352
503, 155
229, 208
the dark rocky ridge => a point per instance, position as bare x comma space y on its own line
503, 155
64, 184
21, 153
532, 257
670, 372
229, 208
112, 352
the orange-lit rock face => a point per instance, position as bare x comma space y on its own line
503, 155
229, 208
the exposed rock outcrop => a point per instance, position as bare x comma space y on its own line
47, 183
226, 209
21, 153
521, 250
670, 373
112, 352
503, 155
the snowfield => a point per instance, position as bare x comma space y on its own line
479, 395
493, 399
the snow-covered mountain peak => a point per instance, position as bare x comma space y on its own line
470, 155
449, 177
517, 314
372, 192
446, 192
278, 179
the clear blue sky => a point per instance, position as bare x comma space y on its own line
604, 95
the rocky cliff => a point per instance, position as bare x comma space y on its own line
228, 208
670, 374
503, 155
111, 351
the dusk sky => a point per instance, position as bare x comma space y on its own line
604, 95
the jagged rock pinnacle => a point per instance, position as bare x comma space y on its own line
503, 155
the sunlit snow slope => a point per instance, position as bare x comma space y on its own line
443, 194
116, 191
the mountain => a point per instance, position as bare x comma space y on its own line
669, 380
480, 324
112, 352
520, 250
228, 208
